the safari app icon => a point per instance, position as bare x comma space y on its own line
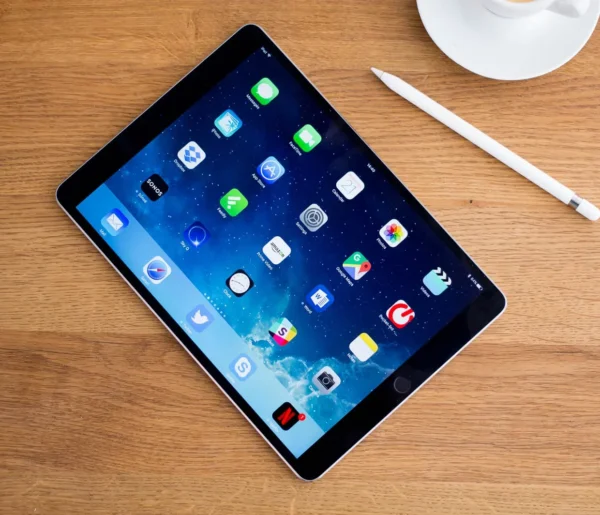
157, 270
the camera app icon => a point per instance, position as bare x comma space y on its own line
326, 380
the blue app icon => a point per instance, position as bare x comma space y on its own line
196, 234
320, 298
114, 222
270, 170
242, 367
437, 281
157, 270
199, 318
228, 123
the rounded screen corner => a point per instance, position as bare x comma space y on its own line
253, 27
61, 195
503, 302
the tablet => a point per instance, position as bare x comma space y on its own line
280, 251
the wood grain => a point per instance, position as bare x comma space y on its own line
101, 411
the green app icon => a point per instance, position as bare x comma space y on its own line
356, 266
234, 202
264, 91
307, 138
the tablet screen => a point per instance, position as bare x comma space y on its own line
296, 266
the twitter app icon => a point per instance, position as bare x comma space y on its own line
199, 318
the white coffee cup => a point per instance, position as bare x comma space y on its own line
523, 8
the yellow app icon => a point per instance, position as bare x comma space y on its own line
363, 347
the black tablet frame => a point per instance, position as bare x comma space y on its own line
393, 391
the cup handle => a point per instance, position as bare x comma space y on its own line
570, 8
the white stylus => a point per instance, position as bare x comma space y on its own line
491, 146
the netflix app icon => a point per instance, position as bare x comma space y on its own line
286, 416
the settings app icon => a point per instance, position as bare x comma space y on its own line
313, 217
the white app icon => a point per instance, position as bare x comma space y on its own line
319, 298
326, 380
363, 347
157, 270
400, 314
242, 367
313, 217
191, 155
350, 185
199, 319
393, 233
277, 250
115, 222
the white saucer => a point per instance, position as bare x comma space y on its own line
504, 49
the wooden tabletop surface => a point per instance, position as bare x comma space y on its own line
101, 411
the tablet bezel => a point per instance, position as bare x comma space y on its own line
380, 403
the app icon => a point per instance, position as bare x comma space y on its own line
277, 250
313, 217
114, 222
437, 281
307, 138
199, 318
155, 187
264, 91
282, 331
270, 170
400, 314
326, 380
239, 283
196, 234
356, 266
243, 367
320, 298
157, 270
286, 416
191, 155
234, 202
350, 185
228, 123
393, 233
363, 347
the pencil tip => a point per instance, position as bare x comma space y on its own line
377, 72
589, 210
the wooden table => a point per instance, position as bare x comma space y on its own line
101, 411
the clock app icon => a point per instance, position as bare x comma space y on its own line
239, 283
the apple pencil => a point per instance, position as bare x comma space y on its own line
491, 146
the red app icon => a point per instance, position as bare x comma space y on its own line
400, 314
286, 416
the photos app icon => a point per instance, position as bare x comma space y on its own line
393, 233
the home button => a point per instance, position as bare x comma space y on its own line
402, 385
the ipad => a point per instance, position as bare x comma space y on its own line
280, 251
